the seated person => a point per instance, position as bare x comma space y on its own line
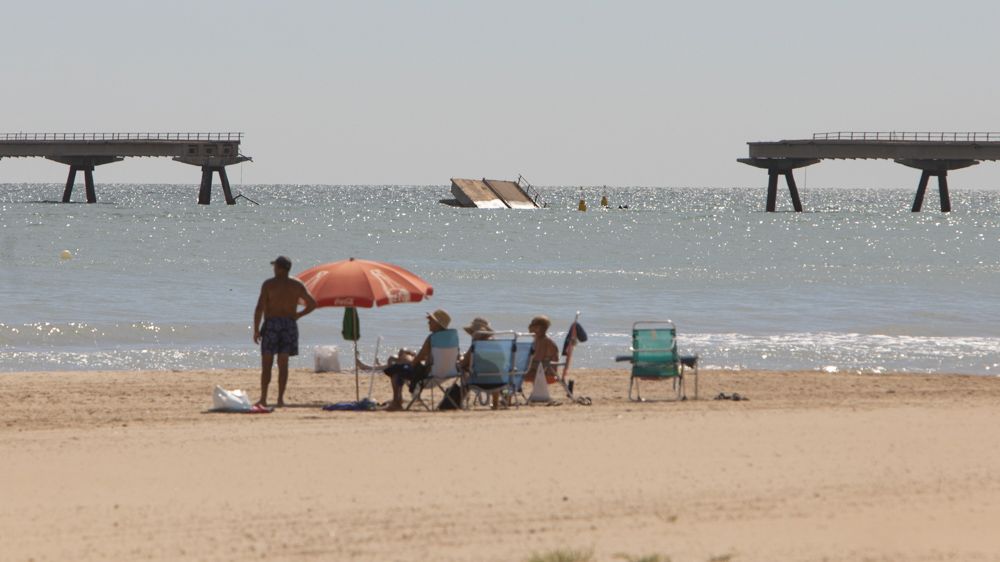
419, 365
479, 329
544, 351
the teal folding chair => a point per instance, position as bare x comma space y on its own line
490, 368
443, 368
654, 358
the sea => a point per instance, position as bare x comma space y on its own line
148, 279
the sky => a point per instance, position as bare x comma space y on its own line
565, 92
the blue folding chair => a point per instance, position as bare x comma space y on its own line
654, 358
443, 367
491, 367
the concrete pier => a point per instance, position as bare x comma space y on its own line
934, 154
82, 152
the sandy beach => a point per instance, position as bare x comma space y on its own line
815, 466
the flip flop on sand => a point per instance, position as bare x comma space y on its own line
260, 409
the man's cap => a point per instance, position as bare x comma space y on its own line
441, 317
282, 261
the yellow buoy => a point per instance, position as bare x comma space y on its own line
65, 255
582, 206
604, 200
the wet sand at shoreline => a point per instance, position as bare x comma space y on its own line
815, 466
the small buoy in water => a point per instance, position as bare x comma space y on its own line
582, 206
65, 255
604, 200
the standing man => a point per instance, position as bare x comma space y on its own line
278, 305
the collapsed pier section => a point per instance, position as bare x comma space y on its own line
495, 194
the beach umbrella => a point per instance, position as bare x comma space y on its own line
356, 283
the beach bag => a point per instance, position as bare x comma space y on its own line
230, 400
454, 395
326, 359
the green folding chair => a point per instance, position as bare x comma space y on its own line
654, 358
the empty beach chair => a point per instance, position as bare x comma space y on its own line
491, 367
574, 335
443, 368
654, 358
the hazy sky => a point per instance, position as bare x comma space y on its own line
565, 92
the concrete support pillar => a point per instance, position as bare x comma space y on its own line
70, 182
938, 169
772, 190
780, 167
918, 201
88, 178
205, 193
942, 177
225, 186
793, 191
943, 192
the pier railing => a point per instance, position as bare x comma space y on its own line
908, 136
533, 193
226, 136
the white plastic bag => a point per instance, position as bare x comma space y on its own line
230, 400
540, 390
327, 359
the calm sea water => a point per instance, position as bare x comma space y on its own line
859, 283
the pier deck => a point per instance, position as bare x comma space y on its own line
935, 154
84, 151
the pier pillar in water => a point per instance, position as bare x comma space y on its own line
939, 169
205, 193
85, 165
780, 167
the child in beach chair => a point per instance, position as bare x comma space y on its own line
654, 358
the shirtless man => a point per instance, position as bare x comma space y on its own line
278, 305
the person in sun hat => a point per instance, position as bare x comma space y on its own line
417, 369
479, 329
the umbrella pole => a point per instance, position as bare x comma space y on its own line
357, 385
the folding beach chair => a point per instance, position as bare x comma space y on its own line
522, 358
443, 368
654, 358
574, 335
491, 367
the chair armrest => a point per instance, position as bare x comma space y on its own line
689, 360
621, 358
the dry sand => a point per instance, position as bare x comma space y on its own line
815, 466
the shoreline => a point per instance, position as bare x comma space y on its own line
127, 465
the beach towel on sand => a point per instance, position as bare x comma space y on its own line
363, 405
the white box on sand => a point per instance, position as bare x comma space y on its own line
327, 359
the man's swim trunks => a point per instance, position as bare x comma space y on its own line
279, 335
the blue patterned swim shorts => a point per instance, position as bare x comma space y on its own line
279, 335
